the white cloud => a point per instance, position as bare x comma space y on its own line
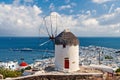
86, 25
28, 1
100, 1
112, 18
88, 12
94, 11
90, 21
71, 11
25, 21
82, 11
60, 21
65, 7
105, 6
111, 8
67, 1
117, 31
51, 7
36, 10
19, 20
73, 4
16, 2
69, 6
46, 0
105, 25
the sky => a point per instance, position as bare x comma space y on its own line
85, 18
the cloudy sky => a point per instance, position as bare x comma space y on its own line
85, 18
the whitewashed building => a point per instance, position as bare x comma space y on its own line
12, 65
66, 52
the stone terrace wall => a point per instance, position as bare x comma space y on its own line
62, 77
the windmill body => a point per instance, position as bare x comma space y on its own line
66, 52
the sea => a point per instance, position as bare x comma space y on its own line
42, 47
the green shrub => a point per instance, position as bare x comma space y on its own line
28, 68
22, 70
9, 73
118, 70
108, 57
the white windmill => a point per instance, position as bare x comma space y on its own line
66, 48
66, 52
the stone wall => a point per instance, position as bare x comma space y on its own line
62, 77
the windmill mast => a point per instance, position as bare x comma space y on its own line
52, 33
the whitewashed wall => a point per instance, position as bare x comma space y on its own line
11, 65
71, 52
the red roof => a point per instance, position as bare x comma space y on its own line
23, 64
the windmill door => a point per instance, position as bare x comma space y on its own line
66, 63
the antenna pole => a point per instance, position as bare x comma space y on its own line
99, 57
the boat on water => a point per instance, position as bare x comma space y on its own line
23, 49
26, 49
14, 49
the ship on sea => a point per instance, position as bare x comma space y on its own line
26, 49
23, 49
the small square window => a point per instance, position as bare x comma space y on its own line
64, 46
12, 65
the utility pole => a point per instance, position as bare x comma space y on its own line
99, 57
100, 52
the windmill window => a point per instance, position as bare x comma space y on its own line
12, 65
64, 46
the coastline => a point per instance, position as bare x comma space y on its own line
88, 56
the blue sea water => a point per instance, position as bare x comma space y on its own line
8, 43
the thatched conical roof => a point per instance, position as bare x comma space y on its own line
66, 38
